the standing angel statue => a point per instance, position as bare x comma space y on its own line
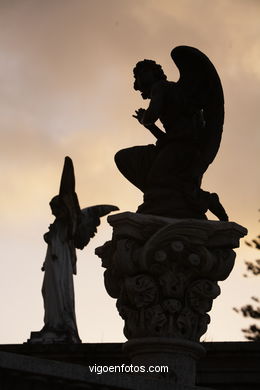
71, 229
191, 112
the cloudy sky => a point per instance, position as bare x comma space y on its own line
67, 89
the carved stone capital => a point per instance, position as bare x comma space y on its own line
164, 272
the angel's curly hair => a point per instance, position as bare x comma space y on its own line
144, 65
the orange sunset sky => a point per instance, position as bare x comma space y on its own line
67, 89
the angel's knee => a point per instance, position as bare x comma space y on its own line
120, 159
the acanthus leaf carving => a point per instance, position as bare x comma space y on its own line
165, 283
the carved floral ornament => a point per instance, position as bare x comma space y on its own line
165, 284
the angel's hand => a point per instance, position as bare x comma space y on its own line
139, 115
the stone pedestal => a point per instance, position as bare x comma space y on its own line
164, 273
179, 356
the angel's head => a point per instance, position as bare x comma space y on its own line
58, 207
147, 73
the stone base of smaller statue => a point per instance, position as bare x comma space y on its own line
52, 337
164, 273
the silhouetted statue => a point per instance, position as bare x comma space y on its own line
191, 111
71, 229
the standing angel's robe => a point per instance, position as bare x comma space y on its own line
57, 289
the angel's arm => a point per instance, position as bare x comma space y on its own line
153, 112
156, 131
148, 117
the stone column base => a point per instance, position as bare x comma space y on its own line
169, 358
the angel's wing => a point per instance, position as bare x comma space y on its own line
201, 86
89, 220
68, 194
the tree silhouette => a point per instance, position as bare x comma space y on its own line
252, 310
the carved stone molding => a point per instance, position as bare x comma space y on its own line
164, 272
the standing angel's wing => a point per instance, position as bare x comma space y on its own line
89, 220
201, 86
68, 195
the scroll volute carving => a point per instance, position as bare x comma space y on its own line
165, 283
